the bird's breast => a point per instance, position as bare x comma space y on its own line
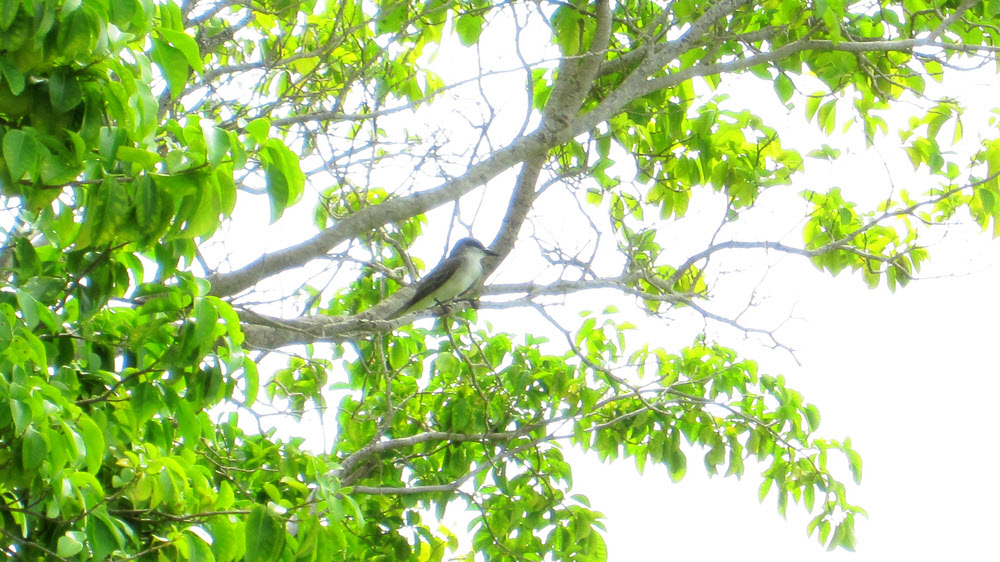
466, 274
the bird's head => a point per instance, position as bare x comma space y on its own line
473, 247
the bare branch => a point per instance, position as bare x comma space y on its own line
375, 448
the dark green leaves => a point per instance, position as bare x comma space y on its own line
107, 209
20, 150
65, 92
103, 537
34, 450
93, 439
70, 544
265, 535
7, 13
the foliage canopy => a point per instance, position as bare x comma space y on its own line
136, 134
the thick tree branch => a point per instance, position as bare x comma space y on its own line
576, 75
265, 332
682, 44
529, 146
370, 218
521, 201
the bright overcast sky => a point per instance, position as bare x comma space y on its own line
909, 377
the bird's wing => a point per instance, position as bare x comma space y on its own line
427, 284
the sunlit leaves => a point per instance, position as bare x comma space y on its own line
843, 239
391, 18
570, 29
300, 383
985, 203
122, 378
469, 27
172, 63
285, 180
784, 87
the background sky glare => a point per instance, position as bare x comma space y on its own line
910, 377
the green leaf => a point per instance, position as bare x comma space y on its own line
828, 116
20, 150
173, 64
151, 213
843, 535
258, 129
202, 211
812, 416
251, 381
812, 104
28, 264
285, 180
69, 544
391, 20
29, 309
148, 160
676, 465
20, 412
224, 535
399, 355
34, 449
185, 44
76, 33
225, 498
765, 487
93, 438
198, 542
277, 191
469, 27
107, 208
568, 26
206, 318
264, 536
86, 480
854, 460
13, 76
64, 90
216, 142
8, 11
784, 87
187, 423
101, 537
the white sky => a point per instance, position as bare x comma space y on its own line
910, 377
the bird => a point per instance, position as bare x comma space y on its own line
450, 279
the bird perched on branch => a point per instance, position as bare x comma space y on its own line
450, 279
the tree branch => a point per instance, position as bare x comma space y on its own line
540, 141
450, 487
374, 448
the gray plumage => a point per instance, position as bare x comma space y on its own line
450, 279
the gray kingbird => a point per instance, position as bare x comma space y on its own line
450, 279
